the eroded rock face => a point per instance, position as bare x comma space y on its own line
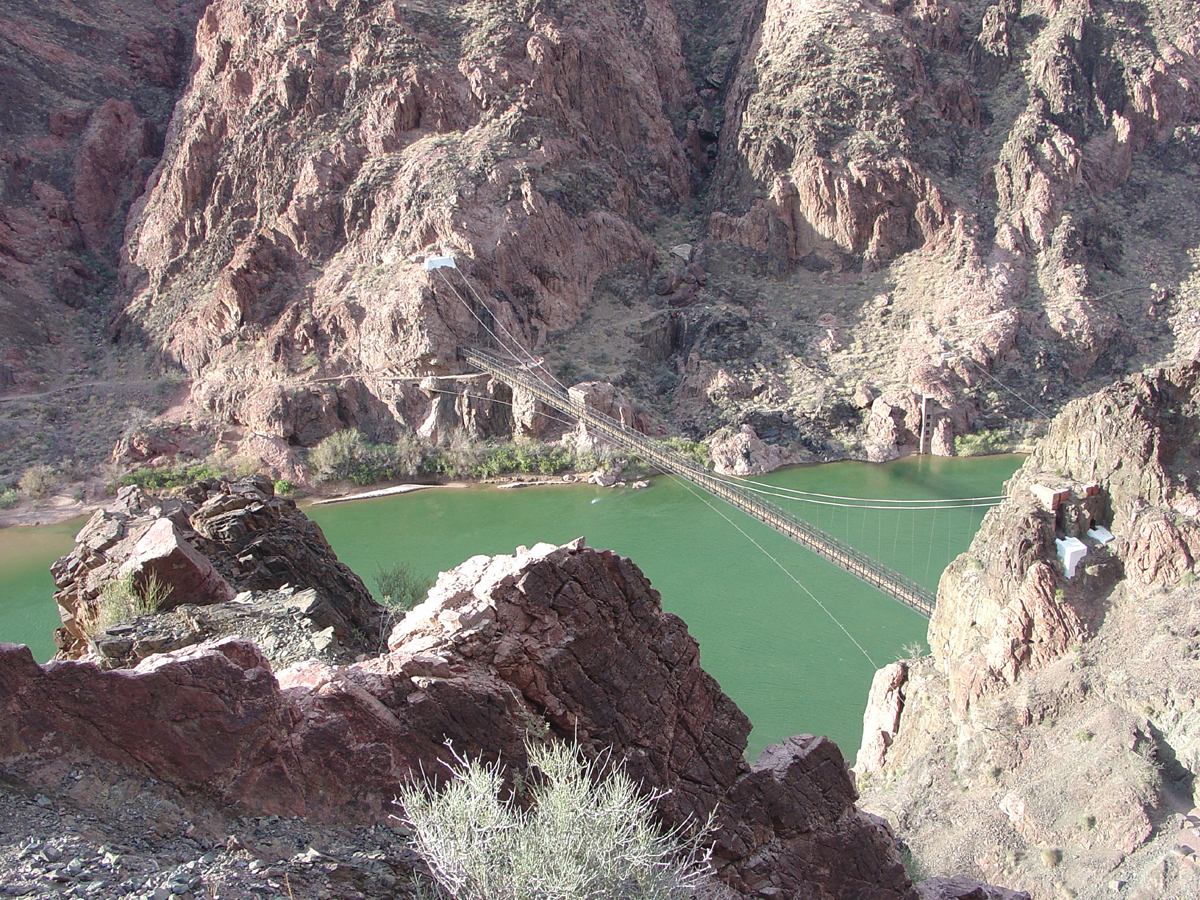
221, 538
1050, 724
86, 98
564, 641
532, 153
1006, 605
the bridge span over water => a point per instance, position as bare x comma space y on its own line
898, 587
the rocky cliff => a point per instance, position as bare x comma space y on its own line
801, 216
1050, 741
564, 642
227, 557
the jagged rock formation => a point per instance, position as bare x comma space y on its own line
733, 211
568, 640
219, 539
86, 98
1057, 715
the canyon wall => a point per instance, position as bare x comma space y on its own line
1055, 721
805, 217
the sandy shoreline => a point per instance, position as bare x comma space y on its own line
382, 492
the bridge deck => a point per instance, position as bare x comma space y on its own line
825, 545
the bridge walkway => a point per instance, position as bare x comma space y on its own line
883, 578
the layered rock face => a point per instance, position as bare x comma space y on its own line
86, 97
323, 152
563, 641
1057, 714
220, 539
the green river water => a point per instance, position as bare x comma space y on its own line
773, 648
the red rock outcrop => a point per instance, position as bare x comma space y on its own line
323, 151
221, 538
84, 119
567, 640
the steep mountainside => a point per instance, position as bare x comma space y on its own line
87, 90
795, 215
1051, 741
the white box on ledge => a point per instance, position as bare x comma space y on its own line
1071, 551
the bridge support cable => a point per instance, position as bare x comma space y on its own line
828, 547
786, 571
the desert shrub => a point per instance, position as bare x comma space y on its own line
334, 458
283, 487
349, 456
399, 587
525, 457
696, 452
150, 478
578, 834
38, 481
122, 599
8, 498
982, 443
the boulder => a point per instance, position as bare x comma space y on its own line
161, 553
744, 453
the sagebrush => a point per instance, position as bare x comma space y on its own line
578, 834
399, 586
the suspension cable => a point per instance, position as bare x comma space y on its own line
781, 566
746, 483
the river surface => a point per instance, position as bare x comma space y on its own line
794, 662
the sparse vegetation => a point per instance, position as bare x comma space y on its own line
349, 456
576, 834
123, 599
398, 586
697, 452
165, 477
38, 481
982, 443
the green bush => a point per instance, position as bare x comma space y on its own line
166, 477
283, 487
349, 456
38, 481
983, 443
577, 835
399, 587
696, 452
8, 498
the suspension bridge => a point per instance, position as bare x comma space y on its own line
527, 373
825, 545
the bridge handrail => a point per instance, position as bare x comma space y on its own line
826, 545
